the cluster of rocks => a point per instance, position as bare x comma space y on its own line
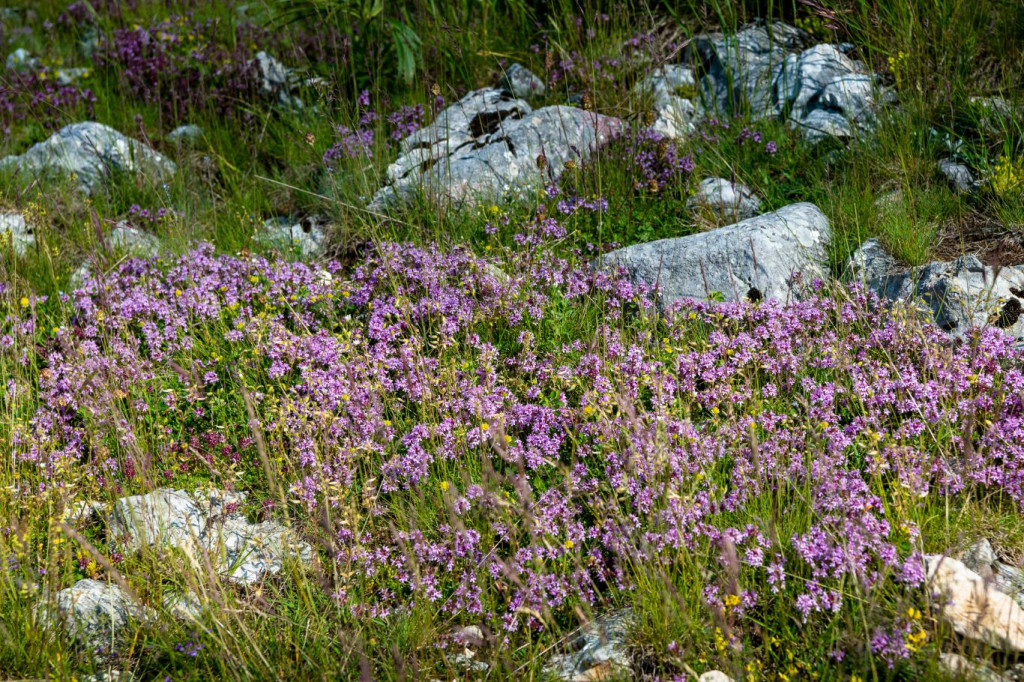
491, 145
767, 70
205, 527
958, 295
22, 60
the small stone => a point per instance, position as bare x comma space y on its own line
959, 175
714, 676
203, 522
186, 134
70, 75
963, 667
307, 236
21, 59
870, 263
14, 227
727, 200
675, 92
490, 146
133, 241
183, 605
274, 79
521, 82
599, 651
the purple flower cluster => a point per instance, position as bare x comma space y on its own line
184, 64
565, 462
35, 96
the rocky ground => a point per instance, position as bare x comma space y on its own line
642, 357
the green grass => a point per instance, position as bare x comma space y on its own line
243, 172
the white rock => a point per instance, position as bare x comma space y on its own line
185, 134
753, 259
599, 651
964, 668
726, 199
674, 89
974, 607
521, 82
21, 59
714, 676
133, 241
959, 175
94, 614
202, 522
14, 227
308, 237
91, 152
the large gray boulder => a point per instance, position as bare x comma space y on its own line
765, 70
206, 523
725, 199
958, 295
753, 259
739, 69
91, 152
14, 228
93, 614
490, 146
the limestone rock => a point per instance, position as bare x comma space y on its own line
274, 79
764, 69
206, 522
186, 134
94, 614
974, 607
964, 668
133, 241
962, 294
870, 263
521, 82
674, 89
959, 175
752, 259
184, 606
91, 152
983, 560
21, 59
14, 228
725, 198
714, 676
307, 236
490, 146
599, 651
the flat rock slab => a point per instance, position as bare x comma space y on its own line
491, 146
90, 152
206, 522
753, 259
